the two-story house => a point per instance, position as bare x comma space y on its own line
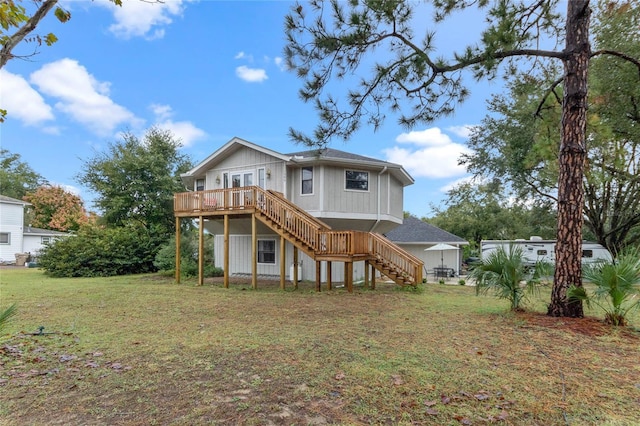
322, 210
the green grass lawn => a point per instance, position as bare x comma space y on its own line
142, 350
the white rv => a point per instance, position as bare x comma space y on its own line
535, 249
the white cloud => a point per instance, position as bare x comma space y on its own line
427, 137
463, 131
22, 101
251, 75
81, 96
436, 155
143, 19
280, 63
449, 186
186, 131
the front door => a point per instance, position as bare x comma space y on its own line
240, 180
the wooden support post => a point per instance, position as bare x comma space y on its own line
329, 278
318, 266
226, 251
283, 257
295, 267
366, 273
178, 250
348, 276
200, 250
254, 252
373, 278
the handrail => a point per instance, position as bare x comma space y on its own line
304, 227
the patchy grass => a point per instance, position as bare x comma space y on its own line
143, 350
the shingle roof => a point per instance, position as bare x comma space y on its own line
334, 153
30, 230
414, 230
12, 200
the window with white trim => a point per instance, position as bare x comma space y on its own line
267, 251
199, 184
45, 240
356, 180
5, 237
307, 180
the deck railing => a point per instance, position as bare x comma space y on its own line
305, 228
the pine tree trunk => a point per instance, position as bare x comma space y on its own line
572, 158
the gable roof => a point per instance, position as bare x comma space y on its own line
414, 230
301, 158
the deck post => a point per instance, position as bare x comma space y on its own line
178, 250
318, 266
366, 273
348, 276
283, 256
254, 252
295, 267
226, 251
373, 278
201, 250
329, 283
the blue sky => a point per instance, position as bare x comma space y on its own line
208, 71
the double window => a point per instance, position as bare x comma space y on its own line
355, 180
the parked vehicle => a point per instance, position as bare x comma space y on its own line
535, 249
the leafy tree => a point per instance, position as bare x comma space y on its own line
100, 252
17, 178
518, 141
483, 211
57, 209
408, 78
503, 273
135, 181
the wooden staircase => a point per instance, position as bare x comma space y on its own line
306, 232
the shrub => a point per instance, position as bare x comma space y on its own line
617, 286
462, 282
165, 260
100, 252
508, 276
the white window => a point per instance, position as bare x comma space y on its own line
5, 237
356, 180
307, 180
261, 178
45, 240
267, 251
199, 184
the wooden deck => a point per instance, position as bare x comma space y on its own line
304, 231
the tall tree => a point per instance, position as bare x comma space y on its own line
342, 37
17, 178
54, 208
518, 140
135, 181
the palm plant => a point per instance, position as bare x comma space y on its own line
6, 315
617, 286
507, 274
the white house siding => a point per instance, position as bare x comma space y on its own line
396, 197
240, 260
248, 160
339, 199
11, 221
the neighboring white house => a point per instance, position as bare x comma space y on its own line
345, 191
15, 238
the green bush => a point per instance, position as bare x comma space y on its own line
507, 274
165, 260
617, 286
100, 252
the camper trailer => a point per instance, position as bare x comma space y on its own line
535, 249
